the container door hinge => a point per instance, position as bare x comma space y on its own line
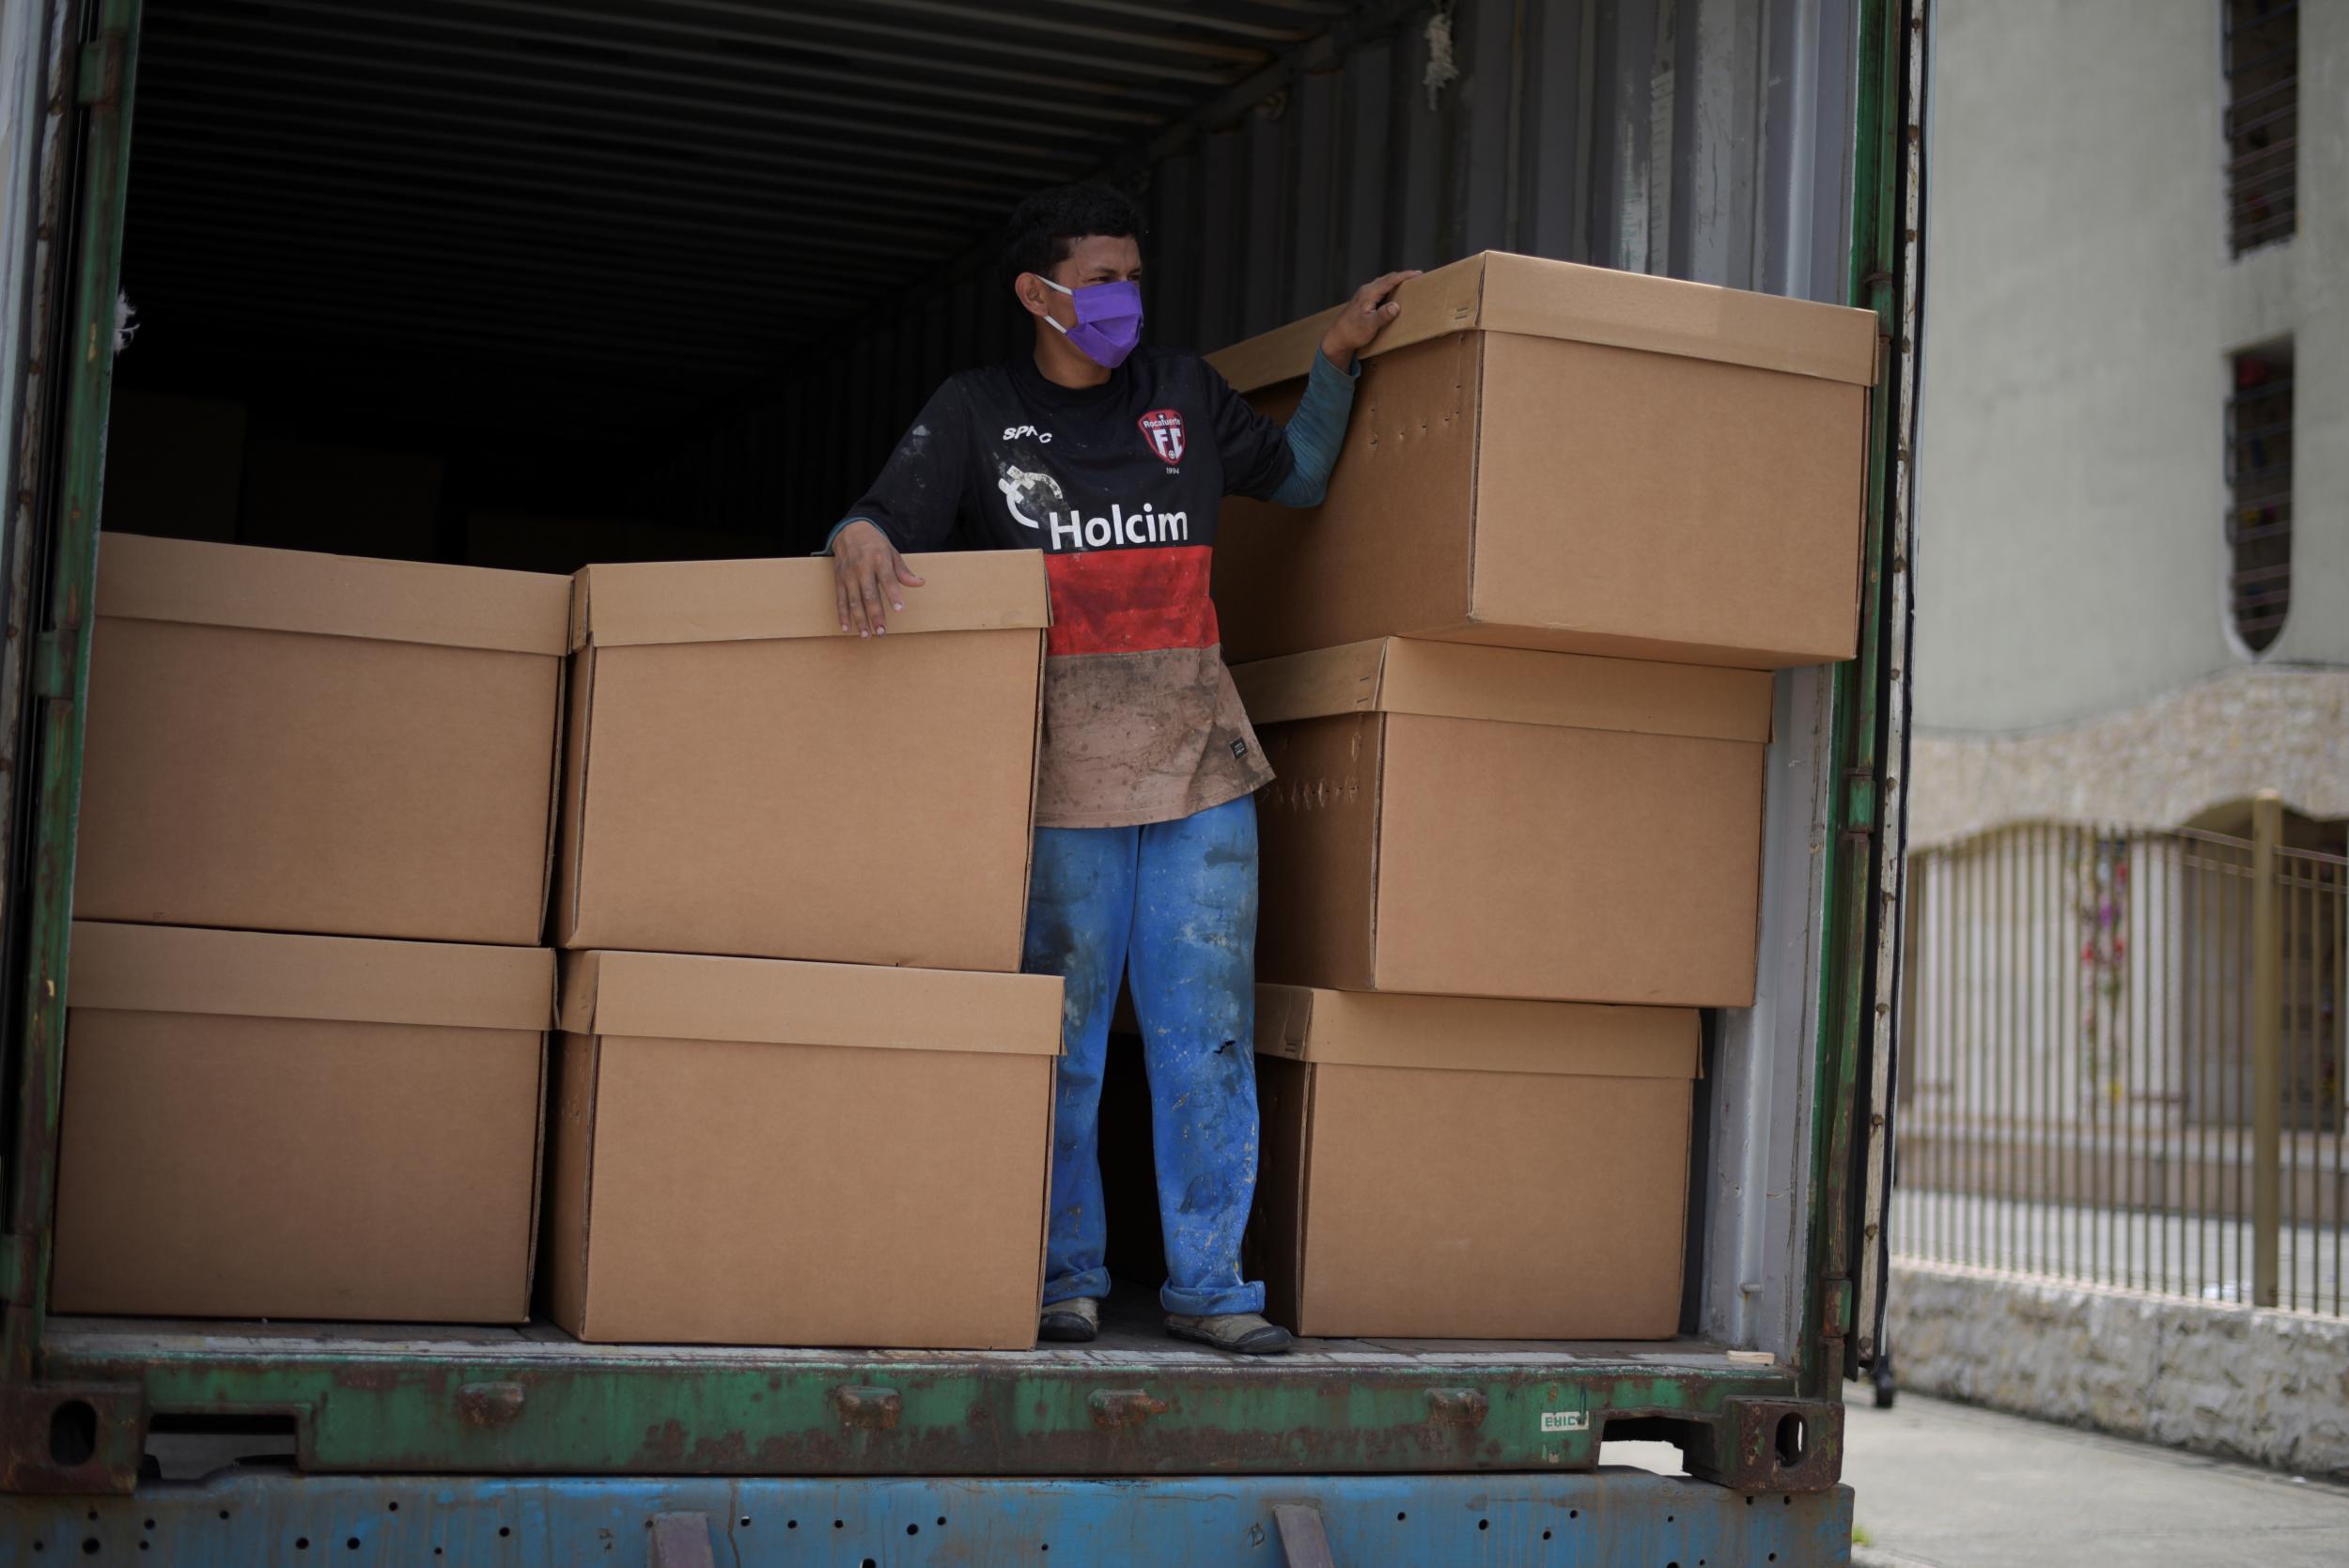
53, 666
100, 81
1859, 798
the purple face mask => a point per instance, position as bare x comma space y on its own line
1109, 320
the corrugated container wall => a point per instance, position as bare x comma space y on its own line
1703, 139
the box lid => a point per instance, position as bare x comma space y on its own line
143, 579
1498, 291
1464, 680
1475, 1034
267, 974
671, 996
739, 601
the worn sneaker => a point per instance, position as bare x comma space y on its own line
1241, 1333
1074, 1320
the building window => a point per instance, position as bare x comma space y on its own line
2262, 51
2259, 486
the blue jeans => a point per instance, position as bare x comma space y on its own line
1177, 900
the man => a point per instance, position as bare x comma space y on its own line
1114, 458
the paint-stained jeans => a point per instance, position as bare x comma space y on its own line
1177, 900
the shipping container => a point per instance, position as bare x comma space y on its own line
536, 282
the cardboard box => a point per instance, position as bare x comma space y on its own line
1478, 821
534, 541
745, 779
175, 464
264, 1125
385, 505
288, 742
1547, 456
1136, 1255
1440, 1168
749, 1152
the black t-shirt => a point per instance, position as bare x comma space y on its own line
1120, 485
1029, 464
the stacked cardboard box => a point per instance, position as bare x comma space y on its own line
1516, 684
745, 781
307, 1044
1490, 822
269, 1125
1547, 455
792, 872
762, 1152
175, 464
307, 1007
1446, 1167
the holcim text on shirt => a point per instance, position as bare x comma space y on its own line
1148, 526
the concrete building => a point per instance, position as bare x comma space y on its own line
2081, 653
2122, 1104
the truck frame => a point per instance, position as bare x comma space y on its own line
366, 1444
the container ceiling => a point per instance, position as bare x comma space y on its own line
603, 214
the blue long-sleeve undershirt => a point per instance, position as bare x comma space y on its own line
1316, 430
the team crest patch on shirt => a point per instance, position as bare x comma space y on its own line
1163, 430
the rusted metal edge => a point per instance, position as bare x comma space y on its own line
1874, 1126
80, 1440
1859, 741
53, 721
874, 1417
1770, 1445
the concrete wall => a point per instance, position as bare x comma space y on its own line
2269, 1386
2080, 309
2160, 763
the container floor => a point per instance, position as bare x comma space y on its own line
1133, 1333
190, 1397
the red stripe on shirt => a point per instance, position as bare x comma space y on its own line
1131, 600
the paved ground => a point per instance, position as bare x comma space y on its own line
1944, 1485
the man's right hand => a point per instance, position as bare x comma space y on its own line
868, 574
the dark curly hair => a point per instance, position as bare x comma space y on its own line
1043, 228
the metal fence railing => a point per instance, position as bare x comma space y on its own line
2122, 1060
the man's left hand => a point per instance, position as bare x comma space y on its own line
1364, 318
